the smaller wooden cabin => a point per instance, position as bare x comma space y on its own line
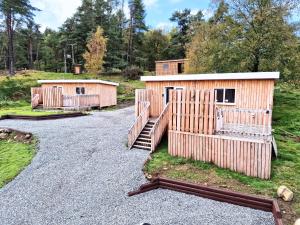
223, 119
74, 94
170, 67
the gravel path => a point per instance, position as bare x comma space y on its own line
83, 171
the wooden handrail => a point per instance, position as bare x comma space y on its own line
159, 128
139, 124
35, 100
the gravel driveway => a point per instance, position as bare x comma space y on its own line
83, 171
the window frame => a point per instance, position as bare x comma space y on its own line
224, 94
166, 67
80, 90
173, 88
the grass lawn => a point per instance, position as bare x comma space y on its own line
14, 156
15, 91
285, 169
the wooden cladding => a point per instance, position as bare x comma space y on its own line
37, 91
250, 157
192, 111
52, 98
249, 94
142, 95
81, 101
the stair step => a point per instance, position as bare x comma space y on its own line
144, 139
145, 136
142, 143
142, 147
150, 126
147, 129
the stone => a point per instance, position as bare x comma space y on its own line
4, 130
297, 222
27, 136
285, 193
3, 136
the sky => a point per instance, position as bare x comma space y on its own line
54, 12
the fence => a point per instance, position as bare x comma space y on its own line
139, 123
192, 111
37, 91
149, 95
81, 100
250, 157
250, 122
52, 98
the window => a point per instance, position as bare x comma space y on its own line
80, 90
224, 95
165, 67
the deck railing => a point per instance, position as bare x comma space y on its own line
139, 123
35, 101
247, 122
81, 100
159, 128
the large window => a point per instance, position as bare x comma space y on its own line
80, 90
224, 95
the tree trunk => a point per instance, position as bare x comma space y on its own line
30, 57
10, 45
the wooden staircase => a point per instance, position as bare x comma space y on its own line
144, 139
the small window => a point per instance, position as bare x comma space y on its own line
223, 95
165, 67
80, 90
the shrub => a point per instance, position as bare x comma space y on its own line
133, 73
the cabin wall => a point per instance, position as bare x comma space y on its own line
250, 94
108, 93
172, 70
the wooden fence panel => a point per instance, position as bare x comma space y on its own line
250, 157
37, 91
192, 111
52, 97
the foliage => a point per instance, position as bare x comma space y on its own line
246, 35
133, 73
96, 51
14, 156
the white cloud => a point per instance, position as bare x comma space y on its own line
165, 26
208, 13
54, 12
150, 3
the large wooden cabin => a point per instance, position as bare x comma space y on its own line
223, 119
74, 94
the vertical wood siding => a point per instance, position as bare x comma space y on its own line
52, 98
107, 93
250, 157
250, 94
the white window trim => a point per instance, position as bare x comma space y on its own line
174, 88
225, 103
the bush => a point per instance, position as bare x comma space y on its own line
133, 73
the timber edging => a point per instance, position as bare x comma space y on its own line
46, 117
236, 198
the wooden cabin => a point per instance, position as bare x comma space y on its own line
167, 67
74, 94
223, 119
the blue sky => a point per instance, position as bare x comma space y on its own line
55, 12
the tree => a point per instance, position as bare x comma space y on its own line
155, 47
96, 49
136, 30
247, 35
181, 37
15, 11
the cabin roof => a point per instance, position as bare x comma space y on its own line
77, 81
215, 76
171, 60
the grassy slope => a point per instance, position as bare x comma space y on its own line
285, 169
15, 92
14, 156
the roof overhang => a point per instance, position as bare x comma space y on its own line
77, 82
215, 76
171, 60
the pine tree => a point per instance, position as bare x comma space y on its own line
96, 49
15, 11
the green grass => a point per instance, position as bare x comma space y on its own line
15, 91
285, 169
14, 156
